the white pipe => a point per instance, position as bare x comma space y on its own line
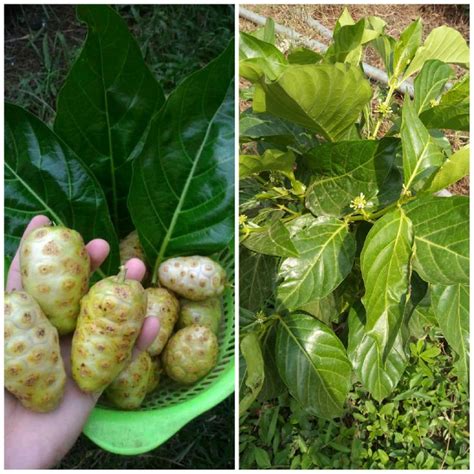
371, 71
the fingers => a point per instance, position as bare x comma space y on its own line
150, 329
135, 269
98, 249
14, 275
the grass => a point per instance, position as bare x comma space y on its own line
43, 41
424, 424
41, 44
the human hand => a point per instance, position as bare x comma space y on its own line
40, 440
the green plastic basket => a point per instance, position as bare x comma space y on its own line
167, 410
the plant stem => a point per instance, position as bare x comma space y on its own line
385, 103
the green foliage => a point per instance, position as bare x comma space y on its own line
379, 259
421, 425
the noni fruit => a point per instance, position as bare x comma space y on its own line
55, 270
33, 370
196, 278
190, 354
130, 247
110, 320
162, 304
203, 313
155, 375
130, 387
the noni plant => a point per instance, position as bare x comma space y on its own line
348, 250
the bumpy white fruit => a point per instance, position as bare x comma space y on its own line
196, 278
162, 304
190, 354
55, 270
130, 247
34, 370
203, 313
129, 388
155, 375
111, 317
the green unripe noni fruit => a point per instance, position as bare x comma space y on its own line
33, 369
203, 313
155, 375
110, 320
196, 278
130, 387
55, 270
162, 304
190, 354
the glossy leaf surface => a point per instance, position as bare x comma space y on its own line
378, 375
271, 240
441, 238
182, 196
343, 170
44, 176
385, 266
313, 364
429, 84
451, 307
326, 254
106, 104
452, 170
421, 155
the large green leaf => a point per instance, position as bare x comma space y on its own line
385, 266
271, 160
324, 98
313, 364
326, 254
273, 385
257, 275
273, 130
406, 47
429, 84
441, 226
379, 376
44, 176
347, 44
182, 197
421, 155
252, 380
343, 170
273, 239
106, 104
452, 170
259, 58
452, 112
451, 306
445, 44
252, 47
